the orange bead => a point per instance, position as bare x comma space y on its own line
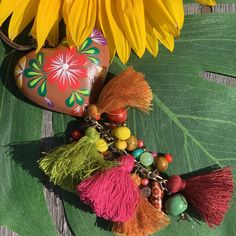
161, 164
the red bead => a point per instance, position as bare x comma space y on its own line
144, 182
175, 184
118, 116
140, 143
76, 135
169, 157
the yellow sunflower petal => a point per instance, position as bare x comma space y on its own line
132, 25
166, 38
207, 2
81, 19
105, 28
122, 46
53, 36
47, 15
151, 40
65, 14
6, 8
176, 10
21, 17
157, 14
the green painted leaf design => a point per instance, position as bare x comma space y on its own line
70, 100
42, 90
84, 92
40, 57
86, 44
191, 118
30, 73
79, 99
23, 208
32, 83
92, 50
34, 64
94, 60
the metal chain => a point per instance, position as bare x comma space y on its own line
143, 172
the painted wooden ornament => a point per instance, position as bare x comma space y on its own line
65, 79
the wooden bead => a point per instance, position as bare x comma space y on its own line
161, 164
131, 143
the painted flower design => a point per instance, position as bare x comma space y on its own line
19, 71
98, 37
77, 97
66, 67
90, 51
36, 74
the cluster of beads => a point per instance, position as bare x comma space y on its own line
125, 142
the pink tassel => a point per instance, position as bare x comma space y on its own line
112, 194
209, 194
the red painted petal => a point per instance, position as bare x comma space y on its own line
82, 73
51, 78
62, 86
82, 59
75, 84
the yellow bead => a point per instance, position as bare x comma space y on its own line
101, 145
121, 144
122, 133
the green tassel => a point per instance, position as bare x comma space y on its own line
71, 163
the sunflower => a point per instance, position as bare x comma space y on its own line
126, 24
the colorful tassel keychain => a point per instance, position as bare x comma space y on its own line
105, 184
109, 168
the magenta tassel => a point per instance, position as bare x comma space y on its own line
112, 194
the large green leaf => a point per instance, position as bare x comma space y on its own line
23, 208
192, 118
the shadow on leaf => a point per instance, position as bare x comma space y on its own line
26, 154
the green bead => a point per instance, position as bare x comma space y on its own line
146, 159
137, 152
176, 205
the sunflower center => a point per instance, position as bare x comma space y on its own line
65, 66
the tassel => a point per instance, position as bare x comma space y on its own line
129, 88
69, 164
147, 220
112, 194
209, 194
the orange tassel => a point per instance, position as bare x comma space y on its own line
146, 221
129, 88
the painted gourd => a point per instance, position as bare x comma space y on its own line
65, 79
